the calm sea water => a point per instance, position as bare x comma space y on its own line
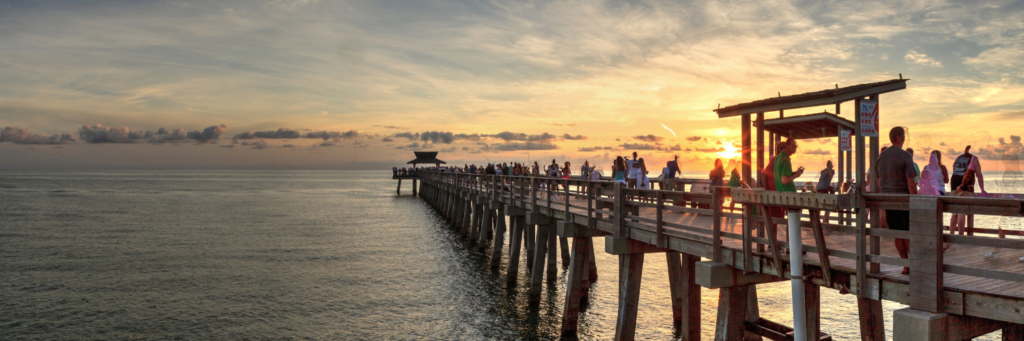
287, 255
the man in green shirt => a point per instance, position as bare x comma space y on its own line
785, 177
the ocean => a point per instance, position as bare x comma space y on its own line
337, 255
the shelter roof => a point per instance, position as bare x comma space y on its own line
813, 126
426, 158
811, 99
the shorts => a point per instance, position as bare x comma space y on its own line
824, 191
631, 183
898, 220
668, 184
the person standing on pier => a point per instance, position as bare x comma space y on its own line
896, 174
619, 171
670, 176
785, 177
633, 171
825, 184
717, 175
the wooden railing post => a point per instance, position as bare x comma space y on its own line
590, 205
659, 219
567, 216
620, 208
926, 262
533, 194
748, 251
716, 207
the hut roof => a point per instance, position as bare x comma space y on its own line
426, 158
813, 126
811, 99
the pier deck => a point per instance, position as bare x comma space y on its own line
968, 285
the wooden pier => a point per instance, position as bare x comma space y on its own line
952, 295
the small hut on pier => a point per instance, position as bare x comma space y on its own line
422, 158
426, 158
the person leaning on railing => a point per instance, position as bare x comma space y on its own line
896, 175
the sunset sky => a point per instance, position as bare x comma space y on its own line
306, 84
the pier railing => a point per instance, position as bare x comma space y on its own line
608, 206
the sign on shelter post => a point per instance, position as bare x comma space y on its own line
845, 142
869, 118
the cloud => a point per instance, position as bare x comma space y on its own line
817, 152
468, 137
408, 135
514, 146
228, 146
593, 149
570, 137
258, 144
18, 135
651, 147
280, 133
389, 127
510, 136
98, 133
287, 133
648, 138
388, 139
162, 135
289, 146
921, 58
1008, 151
329, 135
710, 150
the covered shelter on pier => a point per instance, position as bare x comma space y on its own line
426, 158
819, 125
811, 126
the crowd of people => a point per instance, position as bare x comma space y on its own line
895, 173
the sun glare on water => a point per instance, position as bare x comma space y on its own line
730, 152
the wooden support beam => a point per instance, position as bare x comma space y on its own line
713, 275
872, 326
915, 325
812, 311
624, 246
760, 149
819, 242
530, 242
574, 230
399, 190
631, 268
499, 237
593, 261
552, 268
537, 274
485, 227
564, 247
685, 295
515, 246
753, 314
732, 311
745, 152
414, 188
1013, 332
773, 236
926, 257
579, 273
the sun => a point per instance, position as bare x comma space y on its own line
730, 152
